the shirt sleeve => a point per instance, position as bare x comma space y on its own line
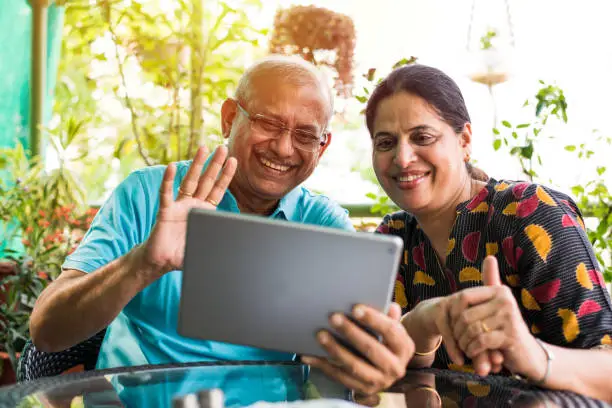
563, 296
115, 230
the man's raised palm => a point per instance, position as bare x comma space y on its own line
165, 247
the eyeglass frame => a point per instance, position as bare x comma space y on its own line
282, 128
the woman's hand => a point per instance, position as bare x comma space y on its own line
434, 317
489, 318
388, 358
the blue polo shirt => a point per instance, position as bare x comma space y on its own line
145, 331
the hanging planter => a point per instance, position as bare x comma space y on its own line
320, 36
489, 57
490, 66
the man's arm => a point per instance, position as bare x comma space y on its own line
78, 305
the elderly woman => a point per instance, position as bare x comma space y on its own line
499, 272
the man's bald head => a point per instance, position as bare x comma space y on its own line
291, 70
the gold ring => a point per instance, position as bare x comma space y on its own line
485, 328
213, 202
183, 192
336, 363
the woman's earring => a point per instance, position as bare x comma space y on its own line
467, 158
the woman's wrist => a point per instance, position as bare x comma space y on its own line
430, 348
424, 333
541, 358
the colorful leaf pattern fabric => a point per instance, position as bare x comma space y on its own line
544, 255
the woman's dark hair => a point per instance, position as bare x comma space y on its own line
429, 83
434, 86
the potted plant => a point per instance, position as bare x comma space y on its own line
19, 292
320, 36
42, 230
490, 61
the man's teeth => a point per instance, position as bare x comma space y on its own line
274, 166
411, 177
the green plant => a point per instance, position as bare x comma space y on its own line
18, 293
63, 185
195, 67
593, 198
84, 90
521, 140
372, 79
486, 40
381, 204
150, 76
44, 228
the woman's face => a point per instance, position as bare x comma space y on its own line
418, 158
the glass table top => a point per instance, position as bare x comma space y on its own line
272, 384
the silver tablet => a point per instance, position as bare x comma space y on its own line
273, 284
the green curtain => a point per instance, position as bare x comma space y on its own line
15, 64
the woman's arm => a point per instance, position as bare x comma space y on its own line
560, 302
587, 372
497, 324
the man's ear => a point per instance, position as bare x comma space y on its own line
228, 115
328, 138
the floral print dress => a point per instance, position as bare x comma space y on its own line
544, 255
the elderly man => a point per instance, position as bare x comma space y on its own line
124, 273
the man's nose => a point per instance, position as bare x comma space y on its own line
283, 145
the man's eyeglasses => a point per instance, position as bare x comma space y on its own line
302, 139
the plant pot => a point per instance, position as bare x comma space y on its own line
7, 374
489, 67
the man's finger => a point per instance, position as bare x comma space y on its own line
190, 181
385, 359
395, 311
166, 190
206, 180
357, 367
222, 184
388, 326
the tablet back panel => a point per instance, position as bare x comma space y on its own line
272, 284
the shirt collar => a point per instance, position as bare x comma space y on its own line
288, 206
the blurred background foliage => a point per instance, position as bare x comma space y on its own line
141, 83
145, 80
